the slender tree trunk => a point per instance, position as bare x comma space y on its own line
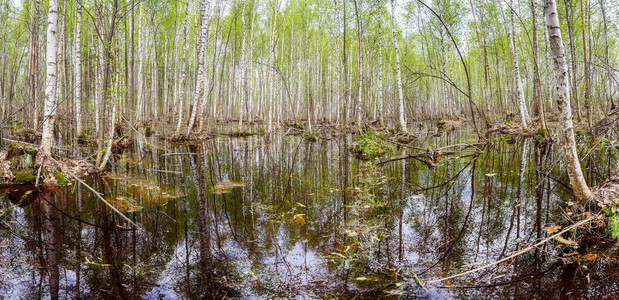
243, 70
273, 48
522, 106
345, 69
537, 84
34, 64
49, 115
140, 65
607, 57
587, 67
201, 76
380, 100
570, 39
110, 139
183, 67
250, 99
398, 72
566, 130
77, 64
359, 62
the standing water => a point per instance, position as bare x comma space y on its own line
278, 216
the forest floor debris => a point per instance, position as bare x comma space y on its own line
607, 194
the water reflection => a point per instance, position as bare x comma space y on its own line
299, 219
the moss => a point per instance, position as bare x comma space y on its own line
148, 131
17, 130
24, 177
310, 138
368, 147
31, 150
239, 133
62, 181
541, 132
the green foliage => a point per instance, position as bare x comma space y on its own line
24, 177
613, 222
369, 146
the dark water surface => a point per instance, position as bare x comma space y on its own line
278, 217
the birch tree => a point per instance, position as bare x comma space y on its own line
537, 85
522, 106
398, 72
183, 73
49, 112
201, 76
565, 126
77, 64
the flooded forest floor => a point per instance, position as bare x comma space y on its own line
295, 213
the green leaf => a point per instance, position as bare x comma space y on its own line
613, 226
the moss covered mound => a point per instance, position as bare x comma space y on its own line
369, 146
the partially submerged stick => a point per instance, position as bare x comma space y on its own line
94, 191
523, 251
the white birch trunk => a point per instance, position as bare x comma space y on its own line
182, 86
522, 106
380, 68
201, 66
250, 99
49, 113
140, 66
243, 70
566, 129
77, 64
272, 63
398, 72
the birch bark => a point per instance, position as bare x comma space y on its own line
522, 107
49, 113
77, 64
201, 66
566, 130
398, 72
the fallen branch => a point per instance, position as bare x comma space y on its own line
93, 190
518, 253
178, 154
32, 145
430, 154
